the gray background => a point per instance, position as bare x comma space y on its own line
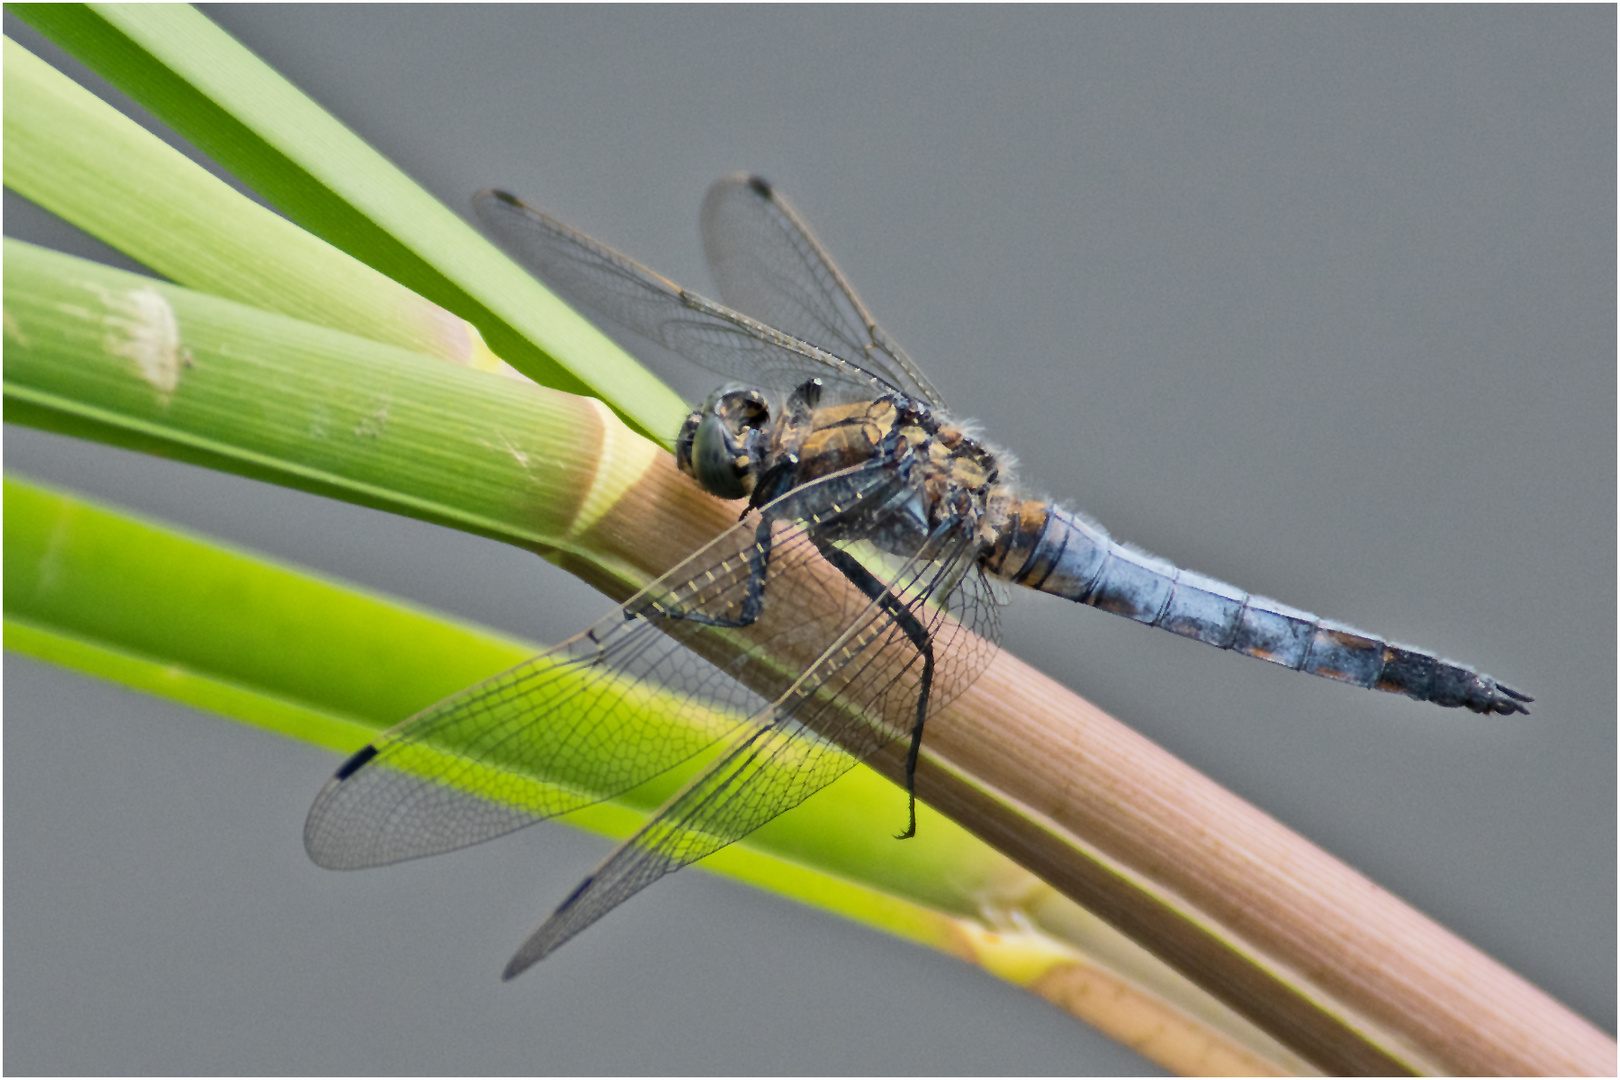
1318, 301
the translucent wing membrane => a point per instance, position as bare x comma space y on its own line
906, 653
767, 264
595, 716
695, 657
622, 296
526, 745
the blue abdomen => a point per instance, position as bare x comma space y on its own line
1072, 557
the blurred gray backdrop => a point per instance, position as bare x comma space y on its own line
1320, 301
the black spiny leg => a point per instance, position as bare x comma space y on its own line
774, 482
759, 560
863, 579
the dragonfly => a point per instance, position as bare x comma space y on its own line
856, 596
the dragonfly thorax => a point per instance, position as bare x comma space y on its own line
735, 448
953, 477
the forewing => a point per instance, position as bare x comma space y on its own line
640, 692
656, 317
861, 694
769, 265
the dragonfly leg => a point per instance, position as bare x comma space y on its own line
864, 580
759, 560
774, 482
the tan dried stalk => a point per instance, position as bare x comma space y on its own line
1337, 969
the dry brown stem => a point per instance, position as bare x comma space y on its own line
1334, 967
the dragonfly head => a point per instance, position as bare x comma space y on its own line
721, 444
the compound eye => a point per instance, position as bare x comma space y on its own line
719, 443
684, 441
719, 463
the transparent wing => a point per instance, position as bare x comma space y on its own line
601, 713
861, 693
655, 316
769, 265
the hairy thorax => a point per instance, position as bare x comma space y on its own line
956, 476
